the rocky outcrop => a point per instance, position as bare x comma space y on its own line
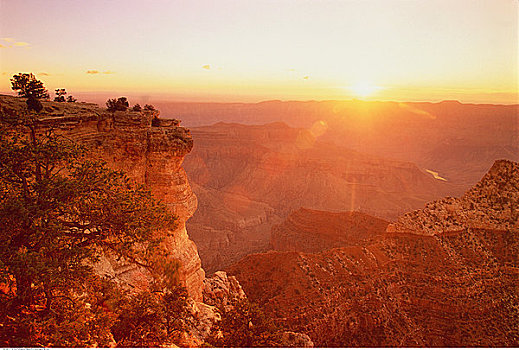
296, 340
404, 288
491, 204
313, 231
150, 155
222, 291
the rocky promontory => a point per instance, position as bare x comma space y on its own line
493, 203
148, 154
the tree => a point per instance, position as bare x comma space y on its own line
149, 107
60, 95
137, 108
71, 99
27, 85
60, 212
121, 104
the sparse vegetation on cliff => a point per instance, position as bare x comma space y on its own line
245, 326
60, 212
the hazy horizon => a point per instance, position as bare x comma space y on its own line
232, 51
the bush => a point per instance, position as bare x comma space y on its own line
121, 104
60, 95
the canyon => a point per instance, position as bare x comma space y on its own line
460, 141
335, 230
249, 177
442, 276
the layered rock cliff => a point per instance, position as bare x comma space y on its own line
453, 286
150, 155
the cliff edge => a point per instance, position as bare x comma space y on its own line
150, 151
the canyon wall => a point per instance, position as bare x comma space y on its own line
150, 155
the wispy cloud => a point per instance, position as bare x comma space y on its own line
207, 66
95, 71
44, 74
11, 42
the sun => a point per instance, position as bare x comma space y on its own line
364, 89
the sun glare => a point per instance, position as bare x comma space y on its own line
364, 90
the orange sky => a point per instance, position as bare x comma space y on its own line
255, 50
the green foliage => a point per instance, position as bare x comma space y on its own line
59, 212
245, 326
27, 85
121, 104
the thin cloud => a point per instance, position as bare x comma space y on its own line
21, 44
207, 66
44, 74
306, 77
9, 40
2, 46
95, 71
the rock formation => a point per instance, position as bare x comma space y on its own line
447, 287
492, 204
313, 231
222, 291
148, 155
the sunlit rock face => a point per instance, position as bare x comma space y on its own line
451, 286
153, 156
150, 155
